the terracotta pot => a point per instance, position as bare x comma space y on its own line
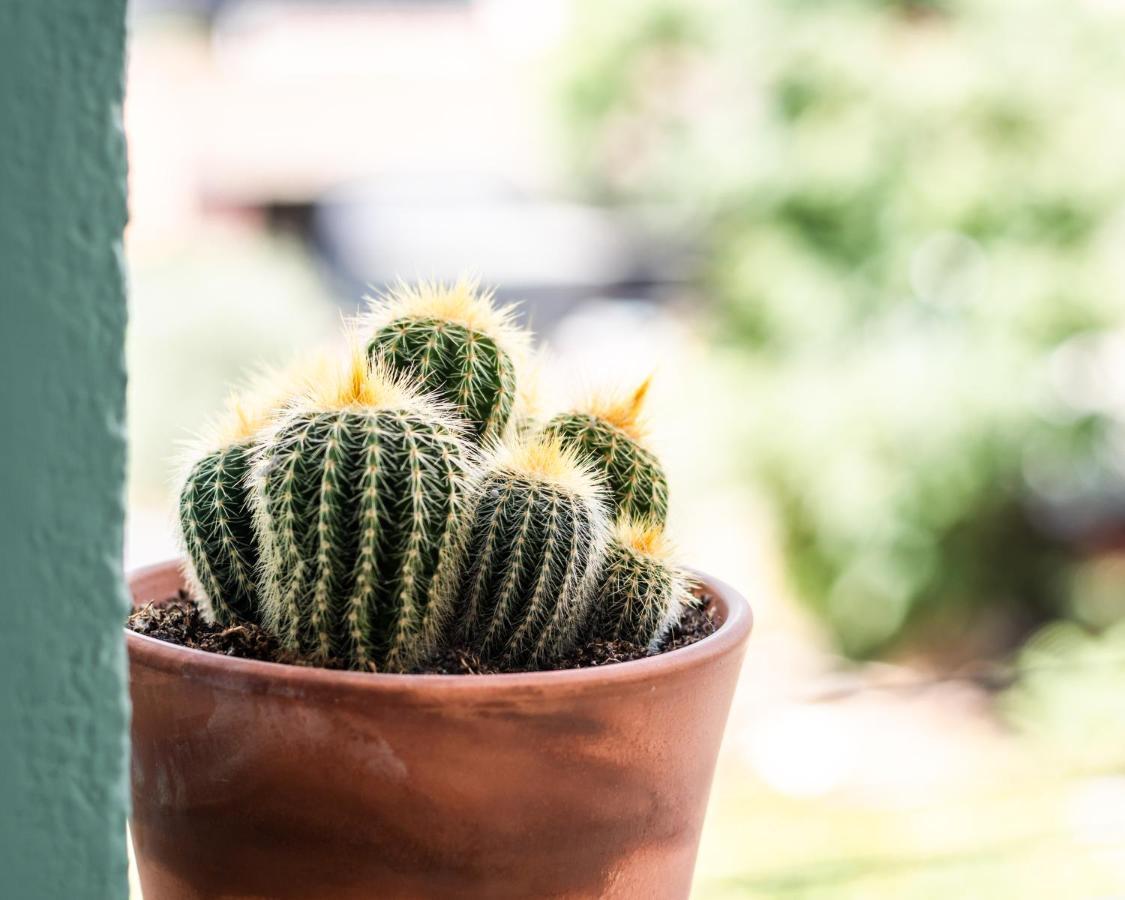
254, 779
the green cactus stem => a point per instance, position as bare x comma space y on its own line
215, 508
456, 344
216, 521
609, 434
359, 491
640, 593
536, 532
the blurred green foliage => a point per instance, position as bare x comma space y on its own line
911, 217
1070, 694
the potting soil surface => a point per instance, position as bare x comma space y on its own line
179, 620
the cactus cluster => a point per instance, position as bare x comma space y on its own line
403, 501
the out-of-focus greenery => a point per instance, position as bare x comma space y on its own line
1071, 693
912, 225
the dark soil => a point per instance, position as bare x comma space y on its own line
178, 620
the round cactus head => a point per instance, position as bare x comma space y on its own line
455, 343
215, 509
640, 593
608, 431
359, 488
536, 529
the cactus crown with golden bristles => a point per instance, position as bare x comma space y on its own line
454, 342
608, 432
641, 592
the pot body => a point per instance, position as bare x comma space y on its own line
253, 779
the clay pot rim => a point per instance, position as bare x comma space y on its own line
253, 674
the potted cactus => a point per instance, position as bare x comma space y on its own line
367, 519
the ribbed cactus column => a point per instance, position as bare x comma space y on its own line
359, 489
455, 343
536, 531
216, 515
218, 534
640, 593
608, 432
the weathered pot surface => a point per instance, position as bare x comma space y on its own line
254, 779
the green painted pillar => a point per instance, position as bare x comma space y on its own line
63, 698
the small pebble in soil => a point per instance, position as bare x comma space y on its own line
178, 620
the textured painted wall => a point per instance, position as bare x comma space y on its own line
63, 707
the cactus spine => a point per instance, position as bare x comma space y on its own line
536, 532
609, 434
215, 509
358, 492
640, 593
456, 344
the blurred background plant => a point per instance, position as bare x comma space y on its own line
910, 222
871, 249
1069, 693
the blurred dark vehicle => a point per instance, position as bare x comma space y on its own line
548, 255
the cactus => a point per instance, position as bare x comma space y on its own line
455, 343
640, 594
609, 433
216, 522
351, 514
536, 531
359, 488
215, 512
